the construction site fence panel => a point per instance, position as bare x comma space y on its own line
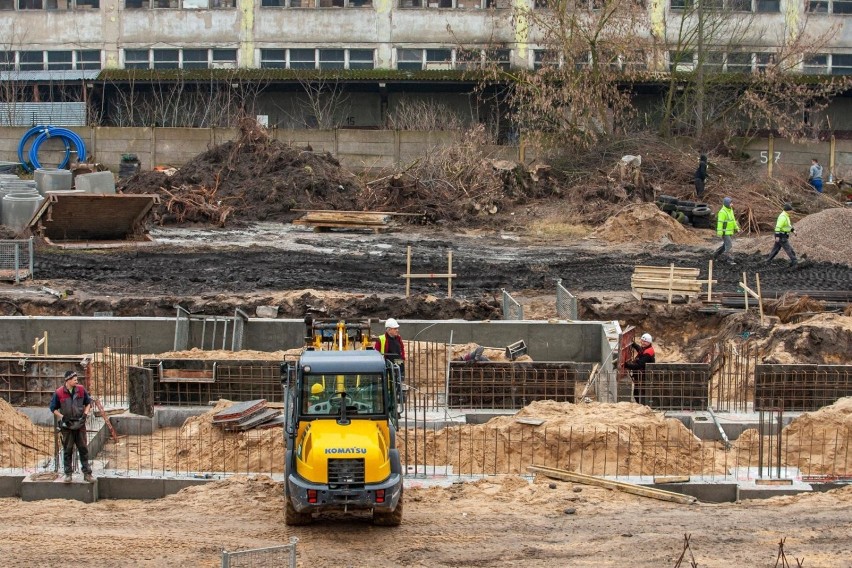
566, 303
280, 556
512, 309
16, 259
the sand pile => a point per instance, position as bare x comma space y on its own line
199, 445
644, 223
823, 338
818, 443
597, 439
22, 443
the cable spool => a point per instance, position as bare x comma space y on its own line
40, 134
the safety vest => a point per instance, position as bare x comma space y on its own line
726, 222
783, 225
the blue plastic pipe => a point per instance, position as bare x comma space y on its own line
41, 134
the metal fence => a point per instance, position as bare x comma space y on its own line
566, 303
212, 332
512, 310
16, 259
270, 556
807, 448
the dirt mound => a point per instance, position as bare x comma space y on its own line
202, 446
597, 439
253, 178
645, 223
22, 443
824, 339
818, 443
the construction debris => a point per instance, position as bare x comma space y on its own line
245, 415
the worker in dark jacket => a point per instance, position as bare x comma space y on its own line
700, 176
71, 405
644, 355
391, 346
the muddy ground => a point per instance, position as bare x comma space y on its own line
214, 270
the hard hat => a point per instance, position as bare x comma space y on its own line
391, 323
647, 337
316, 388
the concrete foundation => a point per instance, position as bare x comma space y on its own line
78, 490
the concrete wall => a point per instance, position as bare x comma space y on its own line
355, 149
580, 342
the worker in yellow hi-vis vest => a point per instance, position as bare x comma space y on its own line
726, 227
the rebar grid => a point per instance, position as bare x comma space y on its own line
234, 380
807, 449
498, 385
800, 387
107, 377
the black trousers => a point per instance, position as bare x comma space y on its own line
699, 187
782, 241
71, 438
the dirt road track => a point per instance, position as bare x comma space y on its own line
490, 523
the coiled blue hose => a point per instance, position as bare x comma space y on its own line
42, 133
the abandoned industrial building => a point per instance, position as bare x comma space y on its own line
378, 53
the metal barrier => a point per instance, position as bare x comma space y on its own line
512, 310
499, 385
193, 382
16, 259
566, 303
219, 327
800, 387
277, 556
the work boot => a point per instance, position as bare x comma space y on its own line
88, 478
68, 478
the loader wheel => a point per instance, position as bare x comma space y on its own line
393, 519
292, 517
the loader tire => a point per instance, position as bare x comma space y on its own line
666, 199
701, 211
392, 519
293, 518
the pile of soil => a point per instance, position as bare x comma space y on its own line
823, 339
595, 439
644, 223
202, 446
22, 443
818, 443
253, 178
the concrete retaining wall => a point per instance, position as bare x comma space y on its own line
563, 341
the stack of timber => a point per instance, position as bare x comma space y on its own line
245, 415
362, 220
666, 281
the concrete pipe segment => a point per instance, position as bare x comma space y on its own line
19, 208
52, 179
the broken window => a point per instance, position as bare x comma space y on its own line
224, 59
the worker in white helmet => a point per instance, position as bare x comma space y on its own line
391, 346
644, 355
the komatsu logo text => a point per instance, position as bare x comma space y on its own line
346, 450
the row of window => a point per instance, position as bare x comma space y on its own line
407, 59
758, 6
60, 60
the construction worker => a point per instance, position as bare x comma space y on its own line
390, 344
644, 355
815, 175
700, 176
783, 229
71, 405
726, 226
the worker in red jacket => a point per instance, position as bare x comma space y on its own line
71, 405
644, 355
391, 346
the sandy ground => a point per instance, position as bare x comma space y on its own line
492, 522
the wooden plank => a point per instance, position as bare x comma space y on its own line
346, 217
667, 270
651, 282
632, 488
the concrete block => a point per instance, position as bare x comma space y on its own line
39, 489
174, 416
704, 492
767, 492
97, 182
10, 485
267, 311
128, 424
130, 488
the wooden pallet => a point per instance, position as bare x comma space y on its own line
357, 220
666, 281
